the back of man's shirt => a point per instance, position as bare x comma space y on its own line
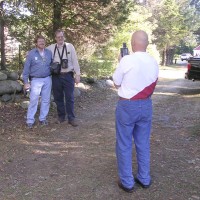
137, 75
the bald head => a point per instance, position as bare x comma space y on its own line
139, 41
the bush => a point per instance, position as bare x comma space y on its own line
96, 68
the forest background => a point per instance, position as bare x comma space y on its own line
97, 28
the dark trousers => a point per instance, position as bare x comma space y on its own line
63, 91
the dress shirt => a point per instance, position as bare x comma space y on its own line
37, 66
73, 64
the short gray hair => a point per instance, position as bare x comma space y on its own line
59, 31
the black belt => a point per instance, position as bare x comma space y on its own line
65, 72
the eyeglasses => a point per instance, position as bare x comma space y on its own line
59, 36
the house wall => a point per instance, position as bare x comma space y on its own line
196, 53
11, 46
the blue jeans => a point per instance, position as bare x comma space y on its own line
63, 87
133, 121
39, 87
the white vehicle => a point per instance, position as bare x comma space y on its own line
185, 56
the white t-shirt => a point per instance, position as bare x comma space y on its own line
135, 74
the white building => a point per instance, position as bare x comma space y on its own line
11, 45
196, 51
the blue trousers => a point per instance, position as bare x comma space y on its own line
133, 122
63, 91
39, 87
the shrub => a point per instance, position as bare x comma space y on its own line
96, 68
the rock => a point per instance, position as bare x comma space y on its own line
9, 87
110, 83
24, 104
16, 98
77, 92
101, 83
91, 80
12, 76
81, 86
3, 76
191, 162
6, 98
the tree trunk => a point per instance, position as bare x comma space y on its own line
57, 6
163, 57
172, 56
169, 56
167, 61
3, 59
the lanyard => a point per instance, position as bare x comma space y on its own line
60, 56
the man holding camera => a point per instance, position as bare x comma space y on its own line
135, 77
63, 80
37, 71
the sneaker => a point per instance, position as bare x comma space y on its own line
29, 125
73, 123
44, 123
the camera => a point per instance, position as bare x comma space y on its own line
64, 63
27, 92
124, 50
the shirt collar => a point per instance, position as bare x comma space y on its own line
60, 46
36, 49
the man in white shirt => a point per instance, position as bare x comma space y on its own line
63, 83
135, 77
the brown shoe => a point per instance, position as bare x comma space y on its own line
61, 120
73, 123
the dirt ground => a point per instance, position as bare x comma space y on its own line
59, 162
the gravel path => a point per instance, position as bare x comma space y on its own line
60, 162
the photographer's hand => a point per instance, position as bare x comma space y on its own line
119, 57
